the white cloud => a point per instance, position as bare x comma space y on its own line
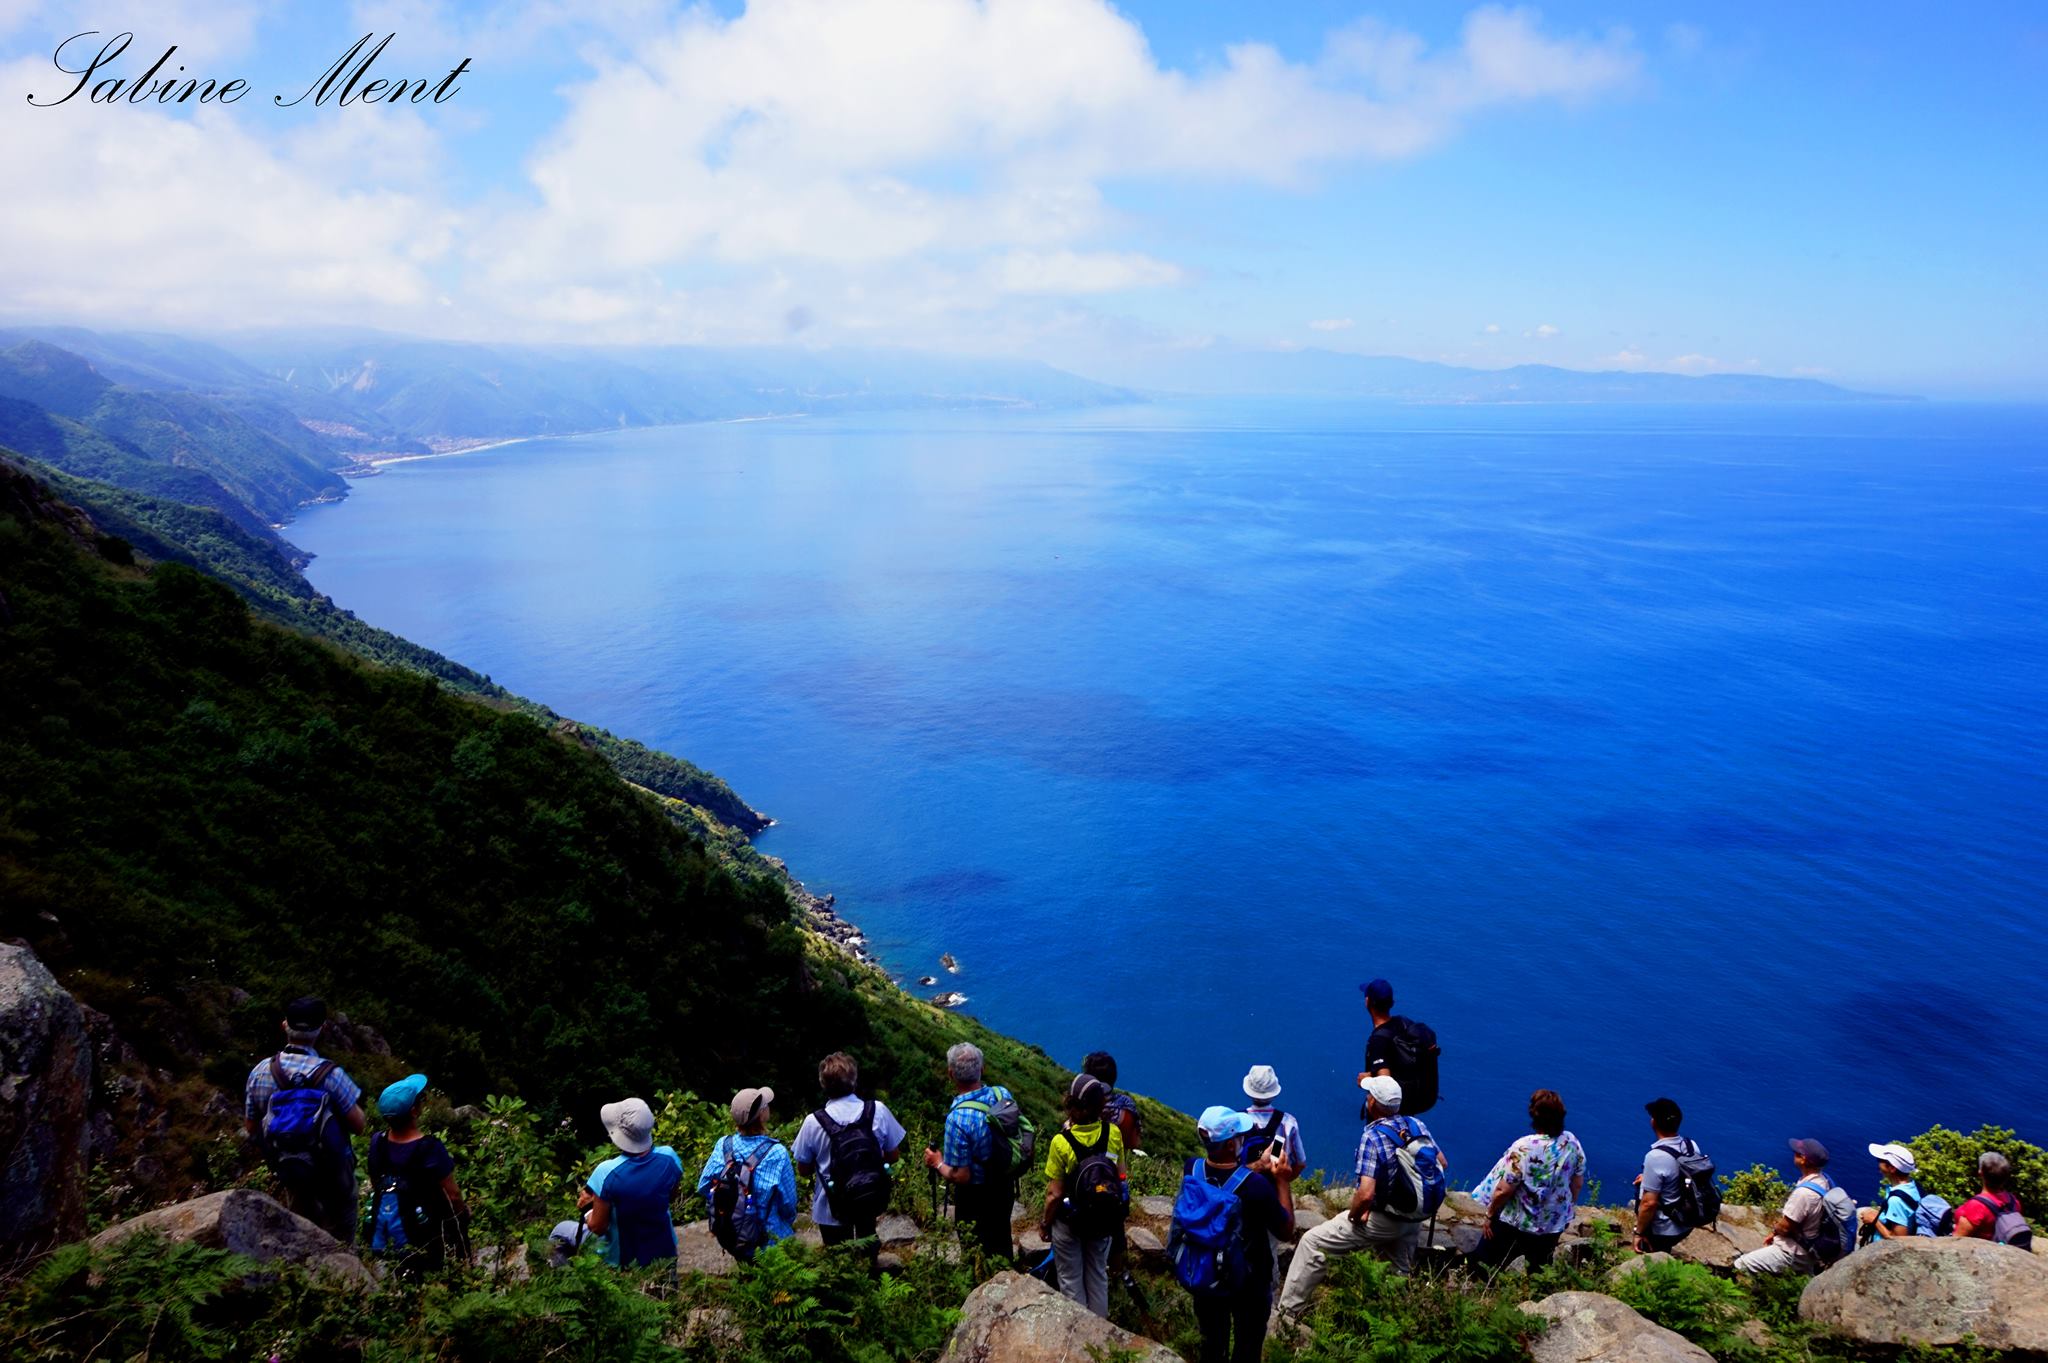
1628, 357
1332, 324
1081, 272
1493, 328
1542, 332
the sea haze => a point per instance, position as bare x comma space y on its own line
1647, 750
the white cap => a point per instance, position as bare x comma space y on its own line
630, 1124
1384, 1089
1898, 1157
1262, 1085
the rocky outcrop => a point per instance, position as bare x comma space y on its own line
1935, 1291
1014, 1318
45, 1093
246, 1222
1590, 1327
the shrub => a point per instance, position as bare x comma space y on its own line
1691, 1300
1369, 1314
143, 1297
1757, 1186
1948, 1163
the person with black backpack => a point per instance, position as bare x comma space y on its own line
846, 1148
988, 1143
1086, 1194
301, 1109
749, 1181
1676, 1193
1401, 1048
416, 1209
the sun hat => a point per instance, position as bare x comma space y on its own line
1262, 1085
630, 1124
748, 1104
1385, 1089
402, 1097
1379, 992
1812, 1151
1218, 1124
1898, 1157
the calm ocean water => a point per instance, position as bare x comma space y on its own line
1646, 750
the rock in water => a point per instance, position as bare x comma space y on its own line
244, 1221
1591, 1327
45, 1086
1014, 1318
1934, 1291
952, 966
952, 998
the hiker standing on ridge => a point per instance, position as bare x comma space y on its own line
1085, 1195
301, 1109
1402, 1048
749, 1180
624, 1204
1226, 1219
846, 1148
1121, 1111
1535, 1187
417, 1211
982, 1157
1808, 1234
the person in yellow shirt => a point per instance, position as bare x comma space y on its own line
1086, 1195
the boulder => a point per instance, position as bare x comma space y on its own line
1158, 1208
895, 1229
1307, 1219
1462, 1207
45, 1090
246, 1222
697, 1252
1934, 1291
1716, 1246
1591, 1327
1636, 1263
1014, 1318
1146, 1247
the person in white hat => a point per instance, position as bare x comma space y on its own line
626, 1199
1367, 1226
1273, 1131
1901, 1195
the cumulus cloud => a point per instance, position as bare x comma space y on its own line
1628, 357
1542, 332
1492, 328
1332, 324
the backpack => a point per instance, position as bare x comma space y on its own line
1699, 1196
1269, 1132
1835, 1235
857, 1185
1417, 1188
298, 1127
1095, 1202
1115, 1108
736, 1222
1412, 1060
2008, 1226
1206, 1242
1016, 1143
399, 1219
1932, 1214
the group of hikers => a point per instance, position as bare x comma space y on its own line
1234, 1217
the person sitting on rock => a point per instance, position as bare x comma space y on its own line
418, 1211
765, 1210
1081, 1219
1658, 1186
1233, 1324
1368, 1225
1273, 1131
975, 1163
1994, 1213
301, 1110
1537, 1186
1804, 1219
845, 1111
625, 1202
1899, 1195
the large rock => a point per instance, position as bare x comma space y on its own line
1014, 1318
895, 1229
45, 1090
1934, 1291
246, 1222
1718, 1245
1591, 1327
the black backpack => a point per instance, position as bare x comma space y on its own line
1095, 1202
736, 1222
1259, 1137
1411, 1058
1699, 1196
857, 1183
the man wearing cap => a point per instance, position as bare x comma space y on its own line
1367, 1225
624, 1204
1269, 1124
1897, 1166
420, 1171
1659, 1186
774, 1179
1234, 1326
1789, 1246
328, 1200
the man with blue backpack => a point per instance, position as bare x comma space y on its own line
1903, 1209
1401, 1182
1225, 1222
301, 1109
1817, 1225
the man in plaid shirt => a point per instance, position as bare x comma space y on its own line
331, 1205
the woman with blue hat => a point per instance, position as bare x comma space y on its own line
417, 1212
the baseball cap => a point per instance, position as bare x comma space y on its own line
1083, 1086
1898, 1157
1812, 1151
749, 1104
306, 1014
1262, 1085
630, 1124
1379, 992
1219, 1124
402, 1097
1386, 1089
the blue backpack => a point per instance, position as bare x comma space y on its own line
299, 1131
399, 1220
1416, 1187
1932, 1215
1835, 1234
1206, 1243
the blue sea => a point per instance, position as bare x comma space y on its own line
1646, 750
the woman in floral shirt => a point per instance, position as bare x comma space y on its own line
1533, 1189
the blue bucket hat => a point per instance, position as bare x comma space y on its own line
402, 1097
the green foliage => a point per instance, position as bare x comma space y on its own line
1948, 1163
584, 1312
1368, 1314
144, 1297
1691, 1300
510, 1175
1757, 1186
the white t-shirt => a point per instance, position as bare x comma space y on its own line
814, 1148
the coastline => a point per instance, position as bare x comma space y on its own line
369, 465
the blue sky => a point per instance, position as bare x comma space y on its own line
1853, 192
